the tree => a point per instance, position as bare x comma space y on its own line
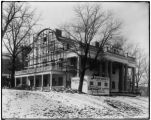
146, 74
141, 75
146, 70
139, 67
119, 42
91, 24
19, 21
9, 13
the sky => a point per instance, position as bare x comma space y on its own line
134, 16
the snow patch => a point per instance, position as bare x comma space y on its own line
37, 104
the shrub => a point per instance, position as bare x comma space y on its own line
23, 87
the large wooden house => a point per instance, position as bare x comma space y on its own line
52, 64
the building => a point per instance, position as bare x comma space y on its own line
52, 64
5, 70
5, 65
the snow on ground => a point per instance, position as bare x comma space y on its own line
36, 104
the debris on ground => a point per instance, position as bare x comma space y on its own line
54, 104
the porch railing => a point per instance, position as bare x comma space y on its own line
44, 68
119, 52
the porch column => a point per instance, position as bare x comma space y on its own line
42, 82
133, 79
125, 79
64, 78
106, 68
28, 81
110, 75
15, 81
50, 81
21, 80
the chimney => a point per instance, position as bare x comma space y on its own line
97, 44
58, 33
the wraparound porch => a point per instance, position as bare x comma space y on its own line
42, 81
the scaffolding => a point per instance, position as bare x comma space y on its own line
47, 51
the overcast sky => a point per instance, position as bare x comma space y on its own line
134, 16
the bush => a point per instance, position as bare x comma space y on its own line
137, 92
71, 91
5, 82
63, 89
23, 87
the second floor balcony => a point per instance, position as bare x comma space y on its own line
119, 53
32, 70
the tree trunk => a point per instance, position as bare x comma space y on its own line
82, 73
81, 81
12, 78
13, 73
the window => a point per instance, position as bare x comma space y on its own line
60, 82
73, 61
18, 81
113, 69
54, 82
46, 80
60, 65
113, 85
24, 80
53, 63
105, 84
91, 83
38, 81
99, 83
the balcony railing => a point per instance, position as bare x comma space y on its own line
130, 58
45, 68
33, 70
119, 52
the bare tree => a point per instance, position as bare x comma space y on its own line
19, 21
9, 13
91, 24
146, 70
139, 67
146, 74
141, 63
